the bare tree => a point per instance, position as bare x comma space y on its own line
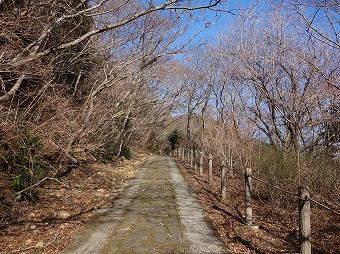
280, 82
320, 18
117, 14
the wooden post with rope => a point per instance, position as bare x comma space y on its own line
191, 157
201, 163
304, 221
210, 173
195, 160
248, 199
223, 181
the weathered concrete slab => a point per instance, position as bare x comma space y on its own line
153, 213
201, 236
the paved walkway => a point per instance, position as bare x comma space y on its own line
154, 213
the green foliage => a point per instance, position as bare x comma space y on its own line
155, 143
288, 170
174, 138
27, 166
275, 163
110, 150
126, 152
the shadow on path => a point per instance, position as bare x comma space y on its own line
153, 213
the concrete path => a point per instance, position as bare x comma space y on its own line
153, 213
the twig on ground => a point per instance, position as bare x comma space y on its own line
38, 183
36, 247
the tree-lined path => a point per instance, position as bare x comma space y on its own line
153, 213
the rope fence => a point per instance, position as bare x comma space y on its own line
303, 195
275, 187
323, 206
292, 193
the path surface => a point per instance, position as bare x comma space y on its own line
153, 213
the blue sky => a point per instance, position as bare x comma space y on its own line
218, 20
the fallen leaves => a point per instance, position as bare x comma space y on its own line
61, 210
278, 227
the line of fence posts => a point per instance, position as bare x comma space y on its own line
304, 212
303, 195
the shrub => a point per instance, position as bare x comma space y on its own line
27, 166
109, 151
282, 169
126, 152
276, 164
174, 138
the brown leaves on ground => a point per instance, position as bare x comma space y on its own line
278, 227
61, 210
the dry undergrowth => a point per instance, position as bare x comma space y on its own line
62, 209
278, 231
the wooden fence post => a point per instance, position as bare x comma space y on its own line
201, 163
223, 181
304, 221
195, 160
187, 154
210, 174
191, 158
247, 200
